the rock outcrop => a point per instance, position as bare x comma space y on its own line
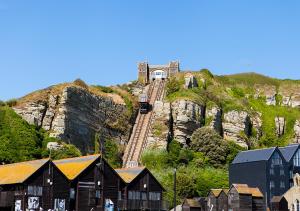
268, 91
160, 130
75, 114
257, 124
190, 81
297, 131
290, 95
280, 126
214, 115
187, 117
237, 124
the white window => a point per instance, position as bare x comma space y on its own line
271, 171
134, 195
72, 193
154, 196
296, 159
282, 184
119, 195
272, 184
35, 190
291, 174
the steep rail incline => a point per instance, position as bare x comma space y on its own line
141, 127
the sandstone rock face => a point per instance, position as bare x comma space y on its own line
257, 124
75, 115
190, 81
290, 95
280, 126
160, 130
215, 114
297, 131
268, 91
33, 112
234, 123
187, 117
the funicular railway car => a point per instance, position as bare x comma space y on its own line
158, 74
144, 104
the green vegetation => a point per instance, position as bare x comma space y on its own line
195, 174
113, 154
216, 151
81, 83
105, 89
20, 141
269, 113
66, 151
239, 92
112, 151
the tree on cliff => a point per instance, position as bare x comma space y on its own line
211, 144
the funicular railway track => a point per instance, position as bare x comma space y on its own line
142, 127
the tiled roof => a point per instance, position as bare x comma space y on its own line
72, 167
289, 151
245, 189
276, 198
256, 192
216, 192
128, 174
254, 155
19, 172
226, 190
192, 203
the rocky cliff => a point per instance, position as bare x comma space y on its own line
249, 109
74, 114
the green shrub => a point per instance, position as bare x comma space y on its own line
11, 102
105, 89
20, 141
81, 83
66, 151
113, 154
2, 103
172, 86
237, 92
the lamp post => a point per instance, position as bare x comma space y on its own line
100, 165
175, 189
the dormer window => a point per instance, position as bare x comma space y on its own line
296, 159
276, 159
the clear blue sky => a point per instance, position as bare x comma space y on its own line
51, 41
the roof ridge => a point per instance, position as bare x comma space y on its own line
76, 157
142, 167
23, 162
251, 150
